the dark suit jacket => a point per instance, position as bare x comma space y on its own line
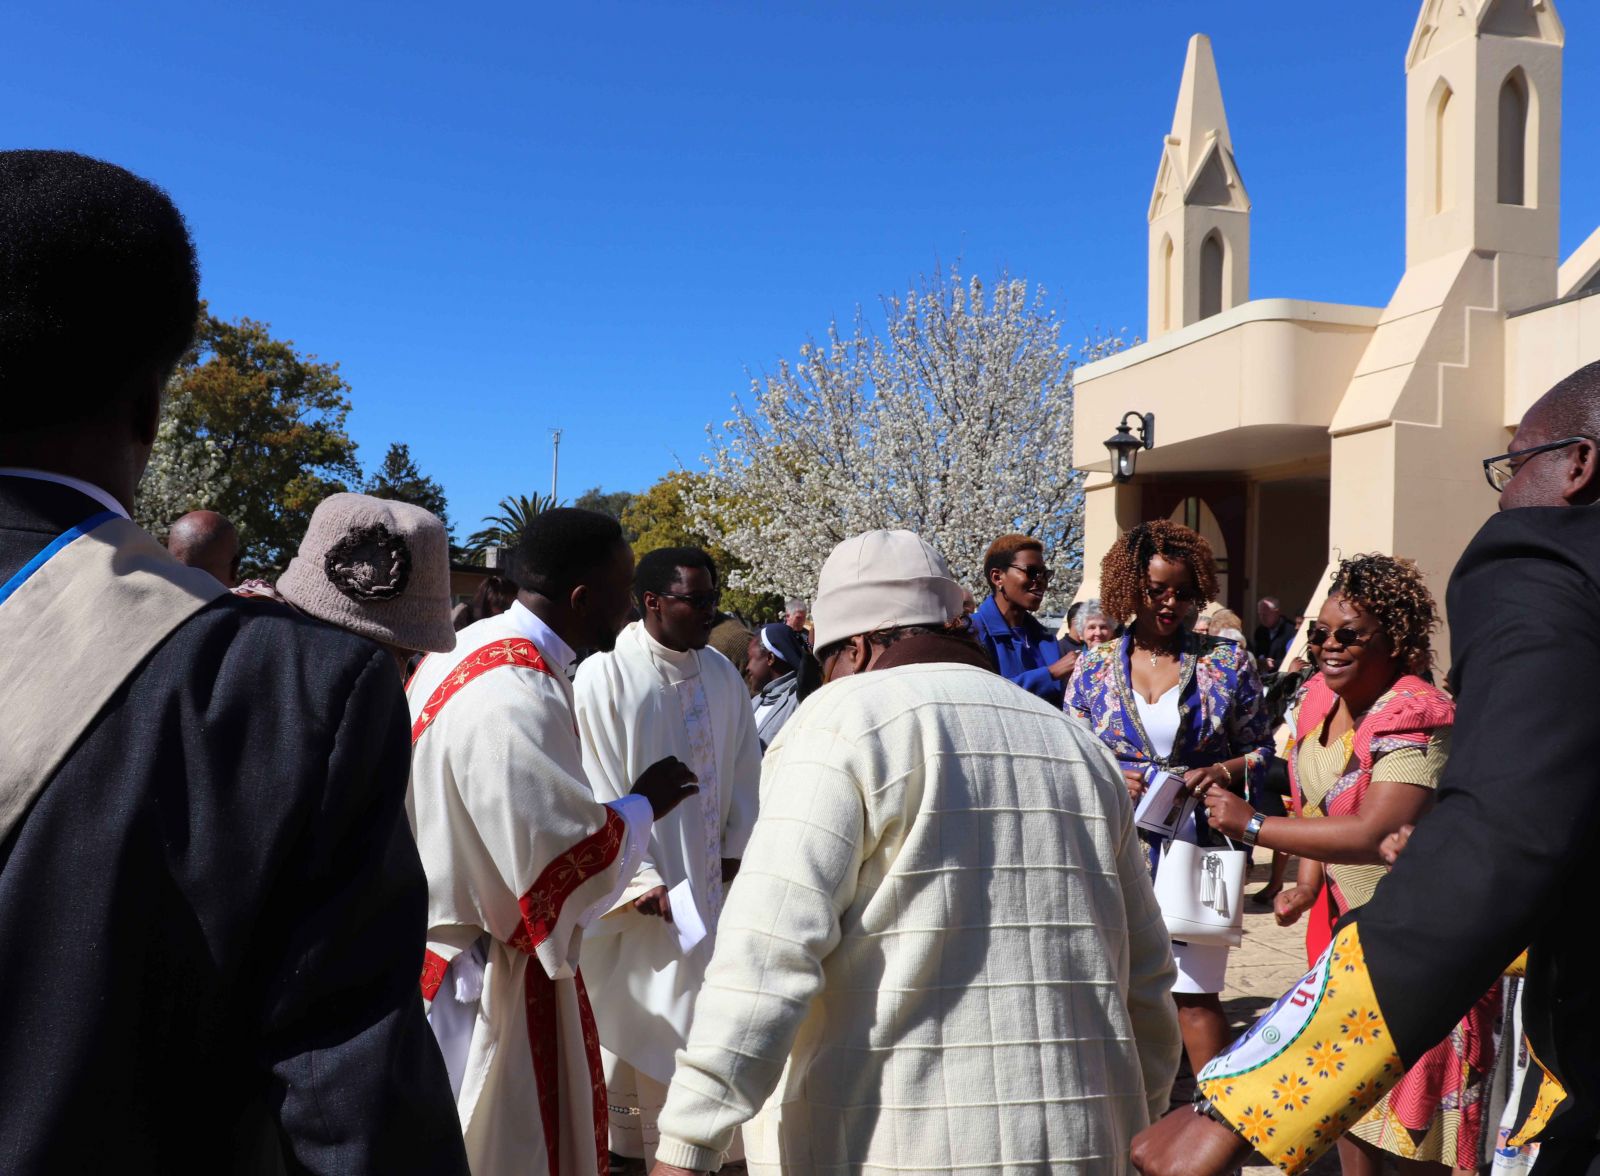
1273, 644
212, 918
1506, 859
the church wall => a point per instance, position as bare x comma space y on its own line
1545, 346
1108, 511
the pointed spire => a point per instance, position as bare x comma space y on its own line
1199, 112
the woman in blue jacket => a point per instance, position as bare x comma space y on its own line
1023, 650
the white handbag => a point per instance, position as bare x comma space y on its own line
1201, 891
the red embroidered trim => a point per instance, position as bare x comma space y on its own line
509, 651
544, 1044
433, 966
541, 906
597, 1079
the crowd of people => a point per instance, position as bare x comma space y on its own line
583, 875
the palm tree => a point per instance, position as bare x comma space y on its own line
504, 529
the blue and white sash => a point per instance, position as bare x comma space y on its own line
75, 622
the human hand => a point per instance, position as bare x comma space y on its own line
654, 902
1291, 904
666, 784
1135, 782
1391, 845
1228, 814
1200, 781
1186, 1144
1064, 667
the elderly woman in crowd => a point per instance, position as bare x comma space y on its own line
1022, 648
781, 671
1189, 704
1370, 740
1094, 627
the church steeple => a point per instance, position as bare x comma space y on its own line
1199, 211
1483, 134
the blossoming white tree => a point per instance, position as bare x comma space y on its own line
955, 423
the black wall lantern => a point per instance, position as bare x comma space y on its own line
1124, 446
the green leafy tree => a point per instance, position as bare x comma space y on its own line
517, 512
661, 517
614, 503
399, 479
256, 430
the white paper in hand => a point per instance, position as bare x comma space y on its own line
687, 924
1161, 806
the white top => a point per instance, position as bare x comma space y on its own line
636, 705
1160, 720
945, 926
78, 484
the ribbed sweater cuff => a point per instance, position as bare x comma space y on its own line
686, 1155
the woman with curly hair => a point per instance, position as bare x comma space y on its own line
1189, 704
1370, 740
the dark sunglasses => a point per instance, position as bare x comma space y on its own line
1037, 573
1500, 470
701, 601
1318, 635
1156, 594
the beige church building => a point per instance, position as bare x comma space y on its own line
1290, 431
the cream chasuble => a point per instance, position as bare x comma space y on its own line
519, 857
636, 705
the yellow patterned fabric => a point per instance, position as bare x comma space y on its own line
1545, 1104
1312, 1066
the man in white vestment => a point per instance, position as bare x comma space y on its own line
520, 856
662, 691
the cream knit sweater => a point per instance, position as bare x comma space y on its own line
942, 953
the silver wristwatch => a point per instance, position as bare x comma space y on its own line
1252, 828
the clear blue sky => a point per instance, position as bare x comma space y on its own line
503, 217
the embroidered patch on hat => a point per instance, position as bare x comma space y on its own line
369, 563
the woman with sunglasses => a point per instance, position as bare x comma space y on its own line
1022, 649
1370, 740
1189, 704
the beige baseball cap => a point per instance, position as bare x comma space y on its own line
375, 567
882, 580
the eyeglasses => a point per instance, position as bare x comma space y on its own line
1155, 594
1037, 573
700, 601
1318, 635
1500, 470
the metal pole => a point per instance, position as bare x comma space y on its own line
555, 461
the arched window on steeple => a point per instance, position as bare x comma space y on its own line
1211, 259
1514, 154
1440, 163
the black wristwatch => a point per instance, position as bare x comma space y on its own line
1203, 1106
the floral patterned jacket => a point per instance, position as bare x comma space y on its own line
1220, 711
